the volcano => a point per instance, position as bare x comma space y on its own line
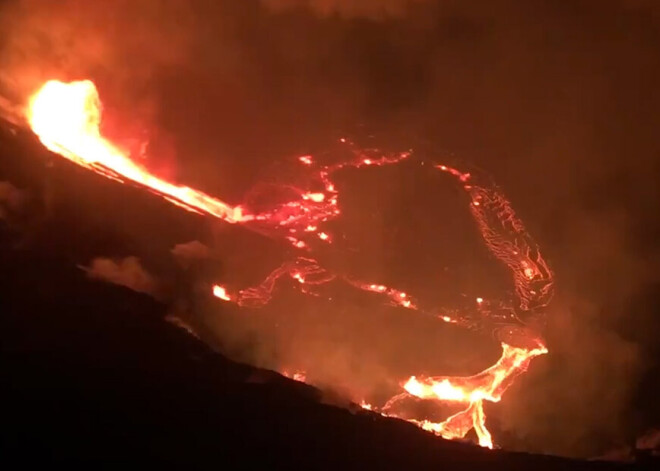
93, 374
67, 118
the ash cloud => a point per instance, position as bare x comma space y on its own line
126, 272
556, 99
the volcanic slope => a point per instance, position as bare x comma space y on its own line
92, 374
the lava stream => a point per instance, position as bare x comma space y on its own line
67, 117
489, 385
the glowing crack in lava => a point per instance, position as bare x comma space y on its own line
67, 116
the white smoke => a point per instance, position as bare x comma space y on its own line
126, 272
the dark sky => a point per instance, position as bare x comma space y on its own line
556, 100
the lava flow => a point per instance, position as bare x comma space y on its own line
67, 116
67, 119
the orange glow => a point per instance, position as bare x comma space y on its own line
298, 277
316, 197
504, 235
67, 119
488, 385
299, 376
221, 293
366, 405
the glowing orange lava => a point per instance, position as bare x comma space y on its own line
299, 376
221, 292
489, 385
67, 117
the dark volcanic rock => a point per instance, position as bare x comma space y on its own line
92, 374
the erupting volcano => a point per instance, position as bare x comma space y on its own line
67, 117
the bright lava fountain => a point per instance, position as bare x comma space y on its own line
67, 116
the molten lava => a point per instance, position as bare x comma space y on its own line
67, 117
488, 385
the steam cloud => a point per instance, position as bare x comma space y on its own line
525, 90
126, 272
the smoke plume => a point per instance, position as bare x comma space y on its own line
126, 272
